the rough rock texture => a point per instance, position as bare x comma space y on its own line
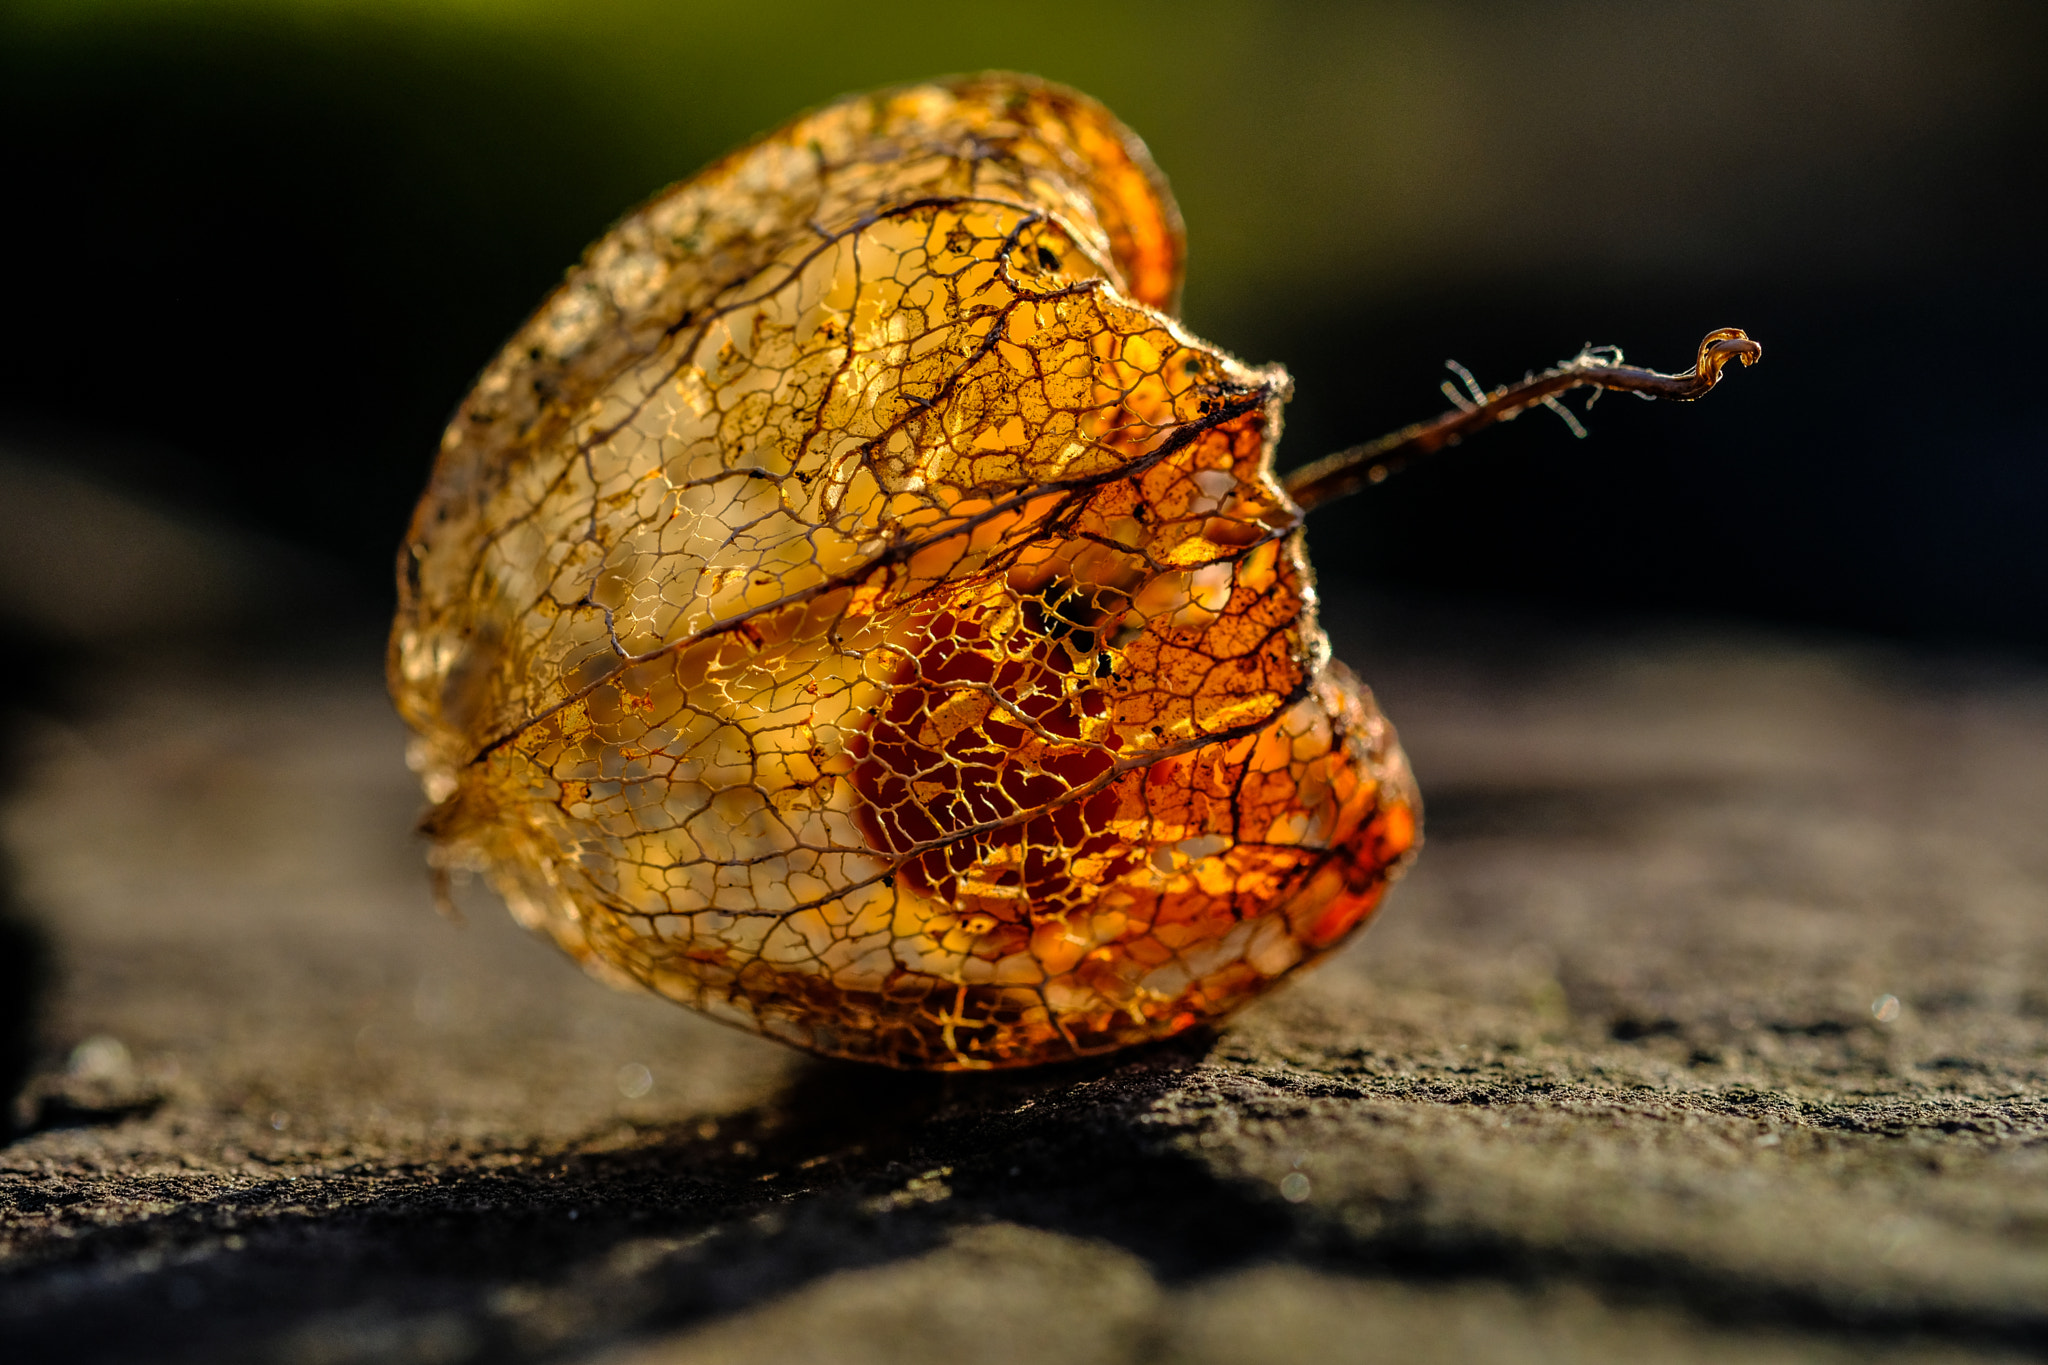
1615, 1077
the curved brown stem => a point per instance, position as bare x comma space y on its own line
1347, 471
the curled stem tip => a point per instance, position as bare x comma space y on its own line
1347, 471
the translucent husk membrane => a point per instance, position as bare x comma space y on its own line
854, 607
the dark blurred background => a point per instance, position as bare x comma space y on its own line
256, 252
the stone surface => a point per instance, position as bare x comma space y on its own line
1614, 1078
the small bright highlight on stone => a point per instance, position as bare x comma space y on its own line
100, 1058
635, 1080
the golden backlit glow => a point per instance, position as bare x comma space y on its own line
853, 606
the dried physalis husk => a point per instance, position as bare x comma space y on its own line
854, 607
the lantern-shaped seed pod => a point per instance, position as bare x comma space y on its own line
854, 607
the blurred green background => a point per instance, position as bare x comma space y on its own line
257, 250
